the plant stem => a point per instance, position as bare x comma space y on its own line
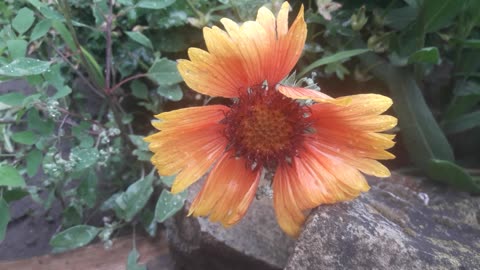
108, 57
115, 87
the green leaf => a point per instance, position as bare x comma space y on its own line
400, 18
14, 99
17, 48
62, 92
340, 56
164, 72
138, 141
84, 157
132, 261
94, 67
428, 55
462, 123
172, 92
130, 202
34, 160
125, 2
22, 67
25, 137
421, 134
65, 34
14, 194
154, 4
439, 14
139, 89
71, 216
40, 29
45, 127
73, 237
168, 180
87, 190
140, 38
452, 174
472, 43
148, 221
10, 177
23, 21
168, 204
4, 218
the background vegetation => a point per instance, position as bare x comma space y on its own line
98, 70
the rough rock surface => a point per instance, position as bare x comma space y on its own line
401, 223
256, 242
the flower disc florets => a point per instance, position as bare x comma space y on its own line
265, 127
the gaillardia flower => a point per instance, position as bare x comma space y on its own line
316, 149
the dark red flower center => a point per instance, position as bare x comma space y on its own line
265, 127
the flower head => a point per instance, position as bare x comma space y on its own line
316, 151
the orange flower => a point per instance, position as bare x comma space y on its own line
316, 151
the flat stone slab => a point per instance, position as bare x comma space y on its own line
256, 242
403, 222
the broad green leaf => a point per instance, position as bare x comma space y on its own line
452, 174
22, 67
10, 177
462, 123
400, 18
34, 159
439, 14
73, 237
87, 190
138, 141
62, 92
130, 202
16, 194
25, 137
168, 180
84, 157
139, 89
467, 88
142, 155
154, 4
14, 99
428, 55
23, 21
140, 38
40, 29
132, 263
340, 56
17, 48
35, 123
172, 92
168, 204
71, 216
125, 2
4, 218
164, 72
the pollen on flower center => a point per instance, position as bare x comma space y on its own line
265, 127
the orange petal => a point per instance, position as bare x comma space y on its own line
289, 215
305, 93
189, 142
228, 191
350, 133
245, 56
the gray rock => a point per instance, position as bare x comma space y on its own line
401, 223
256, 242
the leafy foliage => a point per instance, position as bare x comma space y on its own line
98, 70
